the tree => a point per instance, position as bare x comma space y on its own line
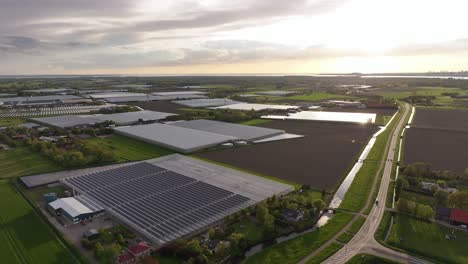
222, 248
120, 239
191, 249
458, 200
319, 205
113, 250
261, 212
442, 184
98, 250
237, 240
441, 197
211, 233
424, 212
401, 184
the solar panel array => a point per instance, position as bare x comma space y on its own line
162, 204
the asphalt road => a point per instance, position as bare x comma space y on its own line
363, 241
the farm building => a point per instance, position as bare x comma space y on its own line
48, 90
176, 138
256, 107
347, 117
178, 93
37, 100
458, 216
66, 121
172, 197
243, 132
71, 209
211, 102
442, 213
114, 94
132, 117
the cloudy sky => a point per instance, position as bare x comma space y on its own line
236, 36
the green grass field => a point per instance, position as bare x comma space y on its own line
313, 97
23, 161
354, 228
345, 237
24, 237
369, 259
421, 91
325, 253
128, 149
428, 239
293, 250
418, 198
10, 121
254, 122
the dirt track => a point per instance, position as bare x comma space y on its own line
320, 159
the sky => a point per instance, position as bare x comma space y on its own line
232, 37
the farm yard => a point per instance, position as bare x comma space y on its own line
320, 159
24, 237
439, 137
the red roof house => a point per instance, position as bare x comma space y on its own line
125, 258
140, 250
459, 217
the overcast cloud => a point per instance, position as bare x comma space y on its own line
57, 36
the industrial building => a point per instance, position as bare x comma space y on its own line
346, 117
257, 107
130, 118
171, 197
176, 138
179, 93
37, 100
208, 102
71, 209
243, 132
66, 121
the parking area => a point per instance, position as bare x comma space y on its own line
74, 233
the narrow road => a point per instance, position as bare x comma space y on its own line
363, 241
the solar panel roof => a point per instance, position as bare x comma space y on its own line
171, 197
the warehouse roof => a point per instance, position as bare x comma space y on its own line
150, 97
180, 139
38, 98
132, 117
248, 133
208, 102
70, 205
178, 93
115, 94
257, 107
48, 90
65, 121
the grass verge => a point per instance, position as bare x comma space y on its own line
325, 253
